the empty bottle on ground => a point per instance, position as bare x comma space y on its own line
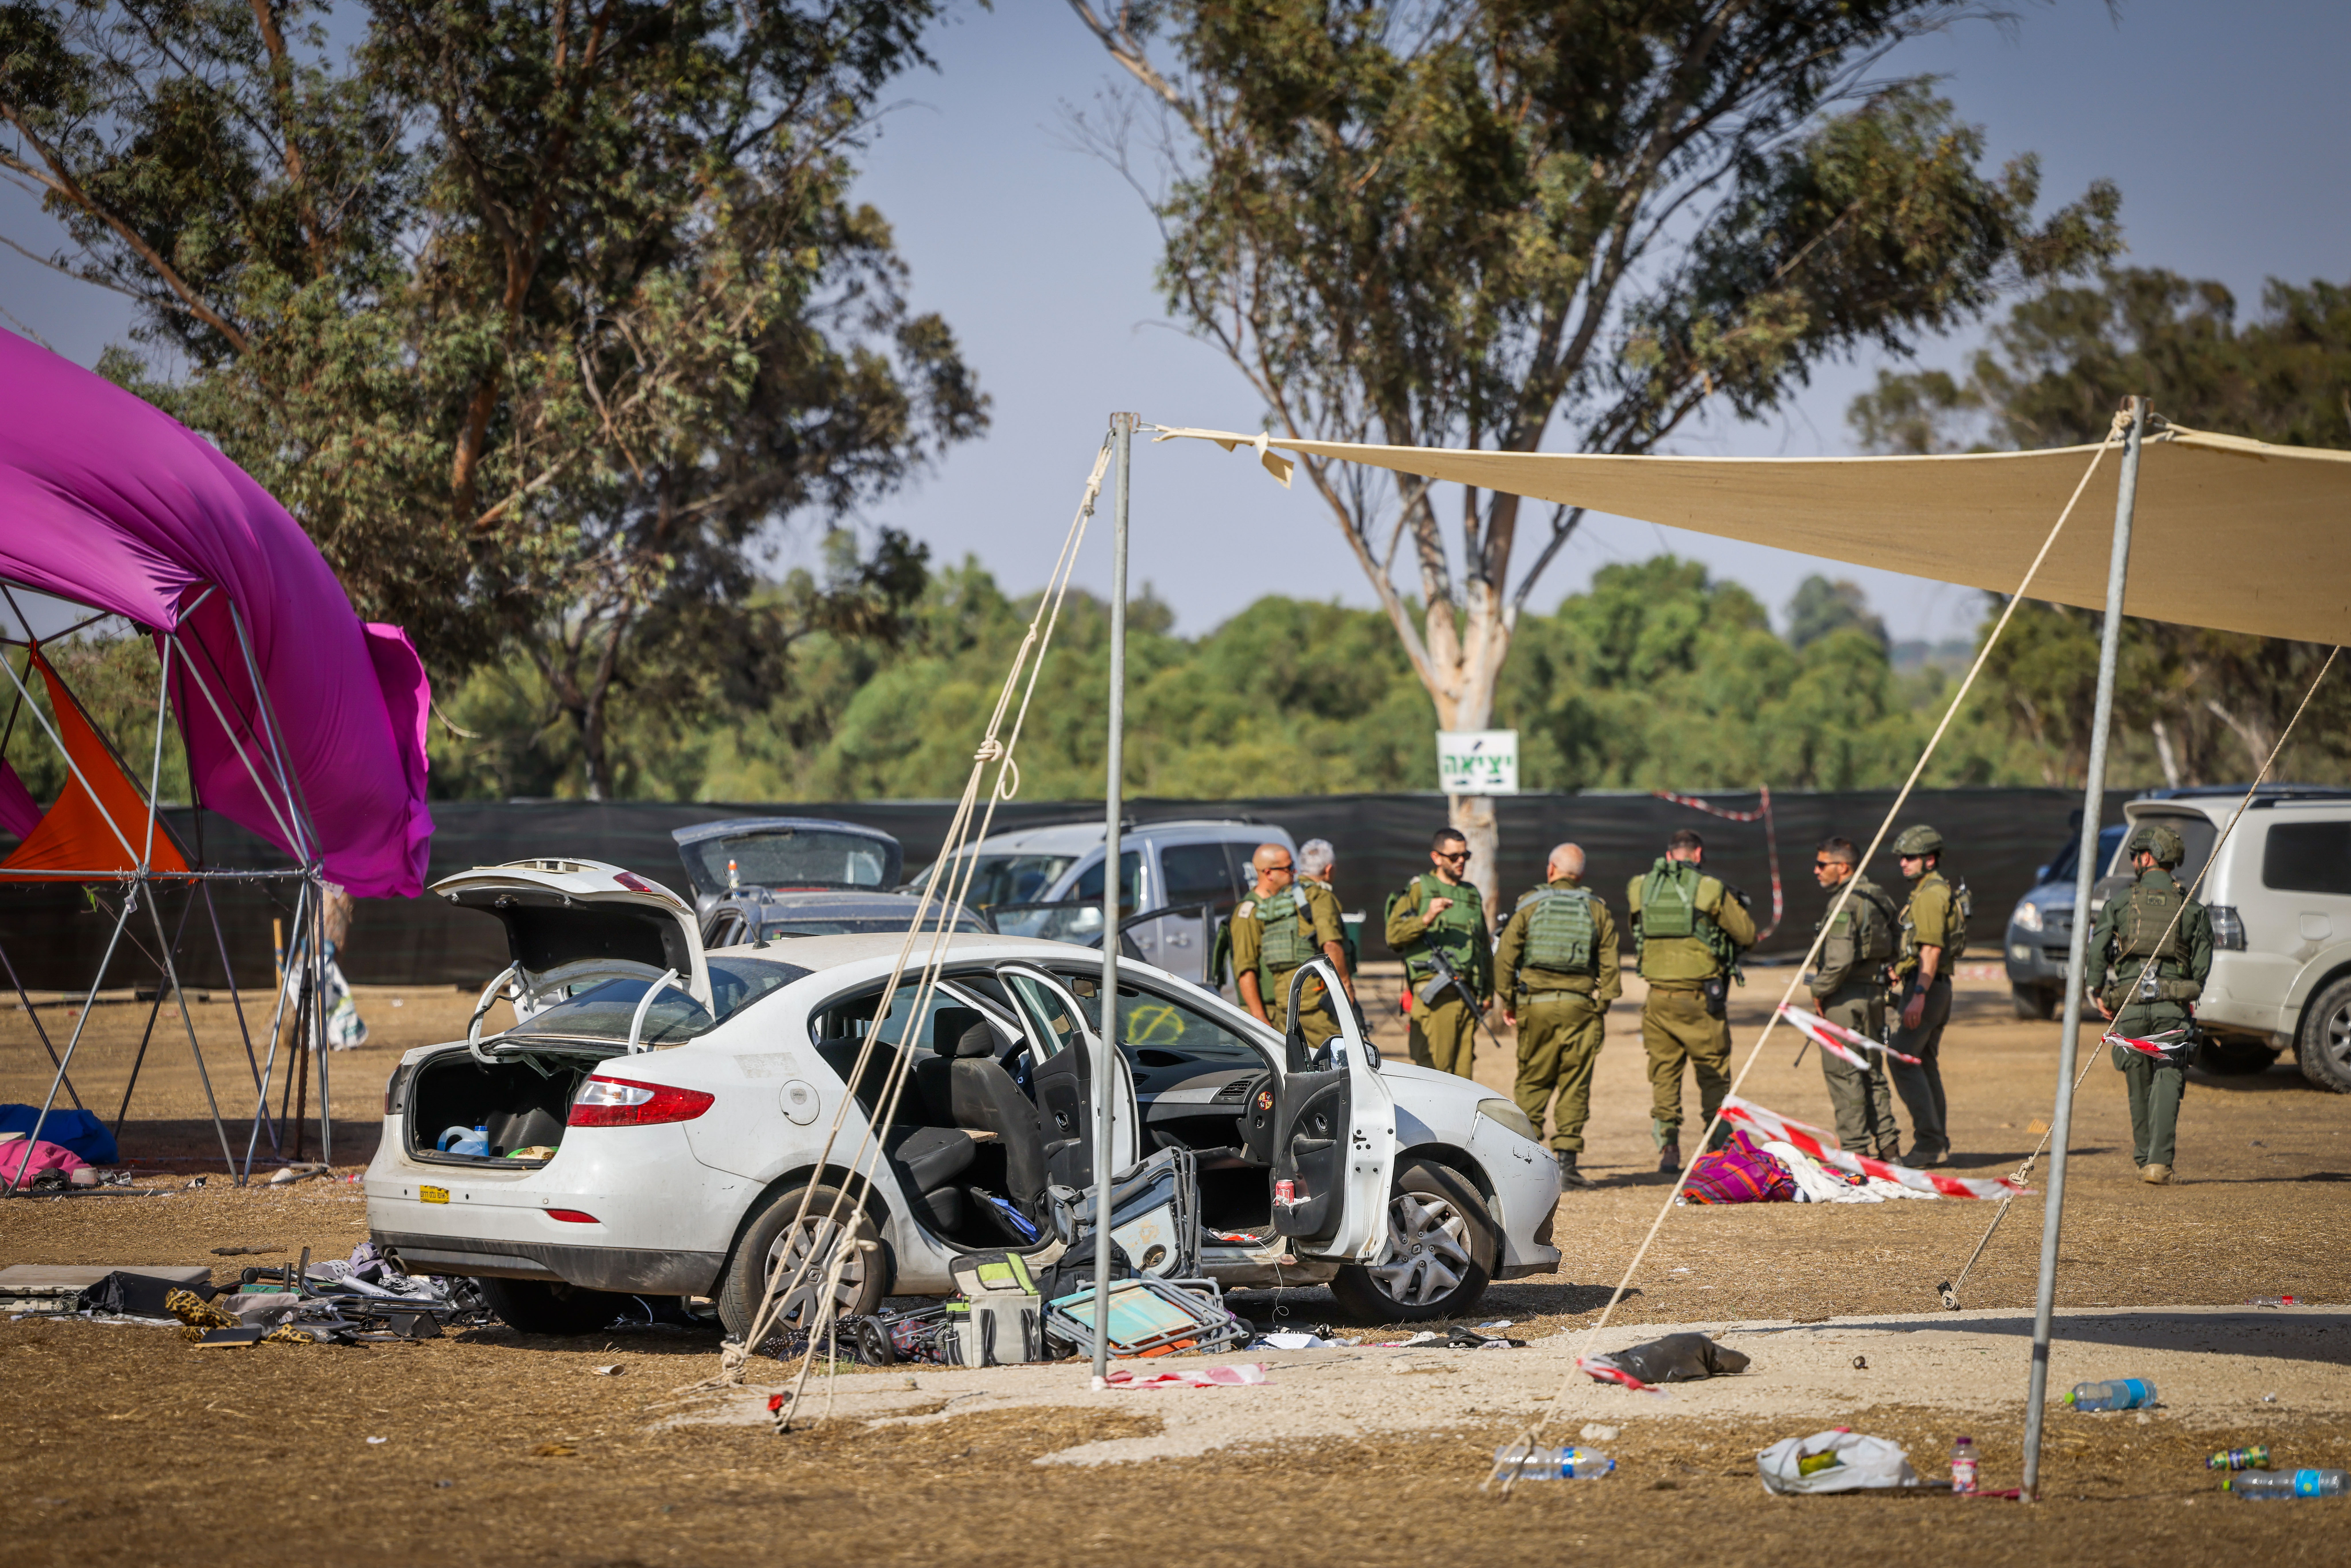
2115, 1394
1963, 1466
1546, 1463
2289, 1483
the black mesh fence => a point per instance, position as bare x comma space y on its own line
54, 936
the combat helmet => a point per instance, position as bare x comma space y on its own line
1918, 839
2164, 844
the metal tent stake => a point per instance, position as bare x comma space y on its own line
1122, 427
2085, 873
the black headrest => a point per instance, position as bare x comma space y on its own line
979, 1039
948, 1025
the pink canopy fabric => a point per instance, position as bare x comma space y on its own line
106, 501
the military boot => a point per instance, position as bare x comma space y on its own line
1570, 1178
2154, 1176
1670, 1156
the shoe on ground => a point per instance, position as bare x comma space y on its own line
1570, 1178
1890, 1152
2154, 1176
1669, 1158
1926, 1156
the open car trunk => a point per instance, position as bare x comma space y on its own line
519, 1105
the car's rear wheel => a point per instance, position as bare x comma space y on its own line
1441, 1252
539, 1306
2033, 1001
2324, 1043
778, 1237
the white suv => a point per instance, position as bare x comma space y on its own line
2280, 893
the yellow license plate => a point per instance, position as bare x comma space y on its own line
434, 1194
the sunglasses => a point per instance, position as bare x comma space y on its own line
1272, 869
1456, 857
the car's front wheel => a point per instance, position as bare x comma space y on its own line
536, 1306
1441, 1252
2324, 1044
775, 1244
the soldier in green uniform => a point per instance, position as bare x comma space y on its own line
1555, 971
1275, 930
1316, 861
1933, 933
1849, 987
1437, 924
1688, 932
2155, 920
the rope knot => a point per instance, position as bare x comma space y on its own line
989, 750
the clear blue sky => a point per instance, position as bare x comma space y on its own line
2223, 125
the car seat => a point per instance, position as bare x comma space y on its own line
983, 1098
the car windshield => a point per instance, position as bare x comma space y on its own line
858, 925
1161, 1031
1008, 878
789, 857
603, 1010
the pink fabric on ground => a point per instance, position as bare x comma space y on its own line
44, 1157
1189, 1378
111, 503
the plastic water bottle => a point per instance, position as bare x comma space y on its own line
2256, 1457
1545, 1463
2116, 1393
1963, 1467
2289, 1483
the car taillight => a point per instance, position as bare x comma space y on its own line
621, 1103
2228, 928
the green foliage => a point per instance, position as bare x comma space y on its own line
1464, 224
1822, 606
537, 315
2192, 705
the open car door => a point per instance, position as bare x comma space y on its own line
1062, 1051
1334, 1146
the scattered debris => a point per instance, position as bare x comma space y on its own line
1839, 1460
1675, 1358
1861, 1364
2277, 1301
245, 1252
1598, 1432
1233, 1376
555, 1451
613, 1371
290, 1174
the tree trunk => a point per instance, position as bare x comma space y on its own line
2164, 752
1472, 670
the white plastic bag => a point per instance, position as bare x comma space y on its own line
1861, 1463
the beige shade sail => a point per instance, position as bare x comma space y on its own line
2227, 533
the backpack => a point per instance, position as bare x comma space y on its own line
1670, 900
1559, 932
1879, 945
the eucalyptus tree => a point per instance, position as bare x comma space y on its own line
539, 314
1549, 224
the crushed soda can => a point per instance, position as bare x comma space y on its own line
2275, 1302
2256, 1457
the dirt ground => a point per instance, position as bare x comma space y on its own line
508, 1449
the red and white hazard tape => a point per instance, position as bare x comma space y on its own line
1821, 1145
2149, 1047
1834, 1037
1770, 841
1600, 1370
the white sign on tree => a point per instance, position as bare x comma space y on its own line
1477, 761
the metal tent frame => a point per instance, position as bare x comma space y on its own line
261, 750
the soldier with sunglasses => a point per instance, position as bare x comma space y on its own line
1438, 926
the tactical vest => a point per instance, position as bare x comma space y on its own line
1452, 933
1560, 932
1954, 933
1669, 899
1877, 919
2148, 926
1289, 939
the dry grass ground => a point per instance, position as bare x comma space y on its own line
133, 1448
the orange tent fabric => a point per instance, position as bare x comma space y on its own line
75, 838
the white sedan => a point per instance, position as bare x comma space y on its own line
650, 1124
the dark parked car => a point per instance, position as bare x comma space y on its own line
757, 879
2040, 928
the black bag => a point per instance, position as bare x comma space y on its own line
1676, 1358
1716, 992
139, 1295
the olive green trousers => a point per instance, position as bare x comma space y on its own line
1559, 1046
1675, 1028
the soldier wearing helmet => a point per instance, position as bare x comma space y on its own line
2150, 952
1933, 933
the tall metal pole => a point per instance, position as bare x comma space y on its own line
2085, 873
1122, 427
